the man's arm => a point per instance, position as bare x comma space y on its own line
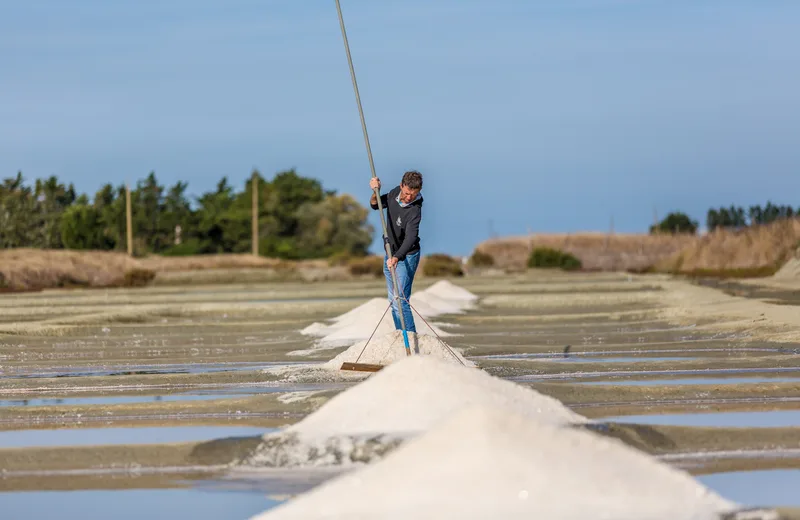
373, 201
412, 232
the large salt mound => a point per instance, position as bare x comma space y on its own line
449, 291
436, 305
390, 348
412, 394
443, 297
405, 398
375, 305
360, 322
488, 462
315, 329
361, 331
371, 309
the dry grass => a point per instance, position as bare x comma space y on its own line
753, 251
34, 269
162, 264
596, 251
30, 269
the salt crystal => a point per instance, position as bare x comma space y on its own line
390, 347
494, 462
413, 393
443, 297
407, 397
449, 291
436, 305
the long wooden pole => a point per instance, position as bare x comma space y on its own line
255, 215
372, 168
129, 218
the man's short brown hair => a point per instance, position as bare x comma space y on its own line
412, 180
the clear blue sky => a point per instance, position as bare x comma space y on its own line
551, 115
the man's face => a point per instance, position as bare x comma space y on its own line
407, 194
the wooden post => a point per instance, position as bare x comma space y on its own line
255, 215
129, 218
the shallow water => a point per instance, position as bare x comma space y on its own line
134, 504
775, 488
588, 359
624, 373
182, 368
247, 341
67, 401
765, 419
143, 435
694, 381
227, 392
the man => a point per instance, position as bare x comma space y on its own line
403, 206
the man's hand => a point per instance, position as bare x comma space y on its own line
375, 184
391, 263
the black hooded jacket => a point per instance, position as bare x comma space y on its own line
402, 223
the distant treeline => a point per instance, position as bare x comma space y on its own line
733, 217
297, 218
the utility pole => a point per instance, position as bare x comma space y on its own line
129, 218
255, 215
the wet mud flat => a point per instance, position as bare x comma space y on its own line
187, 357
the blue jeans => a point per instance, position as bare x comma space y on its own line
405, 270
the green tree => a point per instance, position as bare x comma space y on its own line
732, 217
110, 202
52, 199
81, 227
210, 231
177, 215
336, 225
289, 193
297, 218
676, 222
223, 220
148, 214
18, 223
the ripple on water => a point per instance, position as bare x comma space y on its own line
142, 435
223, 392
694, 381
135, 504
759, 419
766, 488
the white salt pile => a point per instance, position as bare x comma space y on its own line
435, 305
315, 329
360, 323
450, 291
390, 348
373, 308
347, 335
405, 398
489, 462
413, 393
357, 324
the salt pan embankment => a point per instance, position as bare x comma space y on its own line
404, 399
495, 461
